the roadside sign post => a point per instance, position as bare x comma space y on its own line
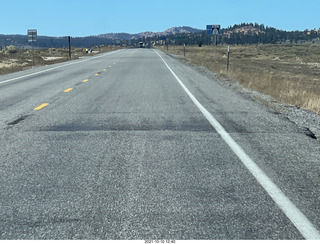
166, 41
228, 56
215, 46
214, 29
32, 37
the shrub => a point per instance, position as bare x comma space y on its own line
11, 49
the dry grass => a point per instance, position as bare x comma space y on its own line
21, 59
289, 73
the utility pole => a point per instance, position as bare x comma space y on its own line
69, 40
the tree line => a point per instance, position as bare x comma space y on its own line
248, 33
245, 33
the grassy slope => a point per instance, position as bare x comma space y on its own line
289, 73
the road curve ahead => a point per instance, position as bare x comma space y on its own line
134, 144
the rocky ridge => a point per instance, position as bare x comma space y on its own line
170, 31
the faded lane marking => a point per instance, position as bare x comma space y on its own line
85, 80
41, 106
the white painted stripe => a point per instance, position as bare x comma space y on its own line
58, 67
306, 228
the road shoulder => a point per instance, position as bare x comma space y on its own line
308, 120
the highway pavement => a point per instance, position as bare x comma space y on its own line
136, 145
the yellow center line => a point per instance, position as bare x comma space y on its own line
110, 66
85, 80
41, 106
69, 89
96, 74
104, 69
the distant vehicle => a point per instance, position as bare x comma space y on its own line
141, 44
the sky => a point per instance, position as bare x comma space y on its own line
79, 18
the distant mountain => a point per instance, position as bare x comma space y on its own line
171, 31
249, 33
244, 33
119, 36
180, 30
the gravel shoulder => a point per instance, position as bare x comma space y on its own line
308, 120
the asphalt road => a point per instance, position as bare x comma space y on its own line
134, 144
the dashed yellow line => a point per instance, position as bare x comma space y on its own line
104, 69
41, 106
69, 89
110, 66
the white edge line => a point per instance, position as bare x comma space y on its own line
61, 66
302, 223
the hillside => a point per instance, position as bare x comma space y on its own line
248, 33
102, 39
150, 34
245, 33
